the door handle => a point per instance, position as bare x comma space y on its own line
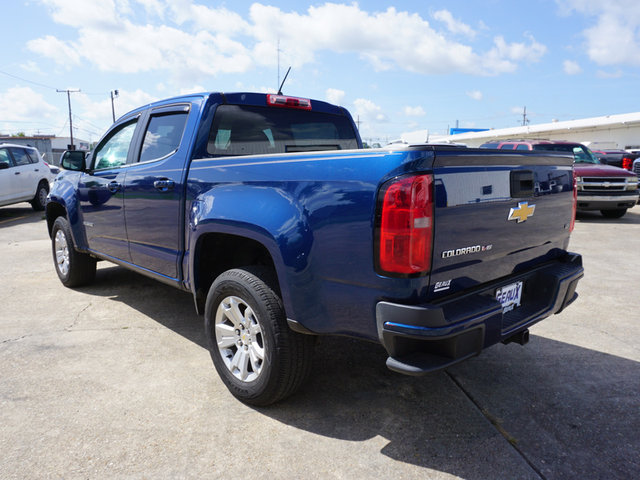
164, 185
113, 187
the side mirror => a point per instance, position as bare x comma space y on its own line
74, 160
4, 166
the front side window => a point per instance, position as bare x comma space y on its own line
163, 135
114, 150
5, 159
250, 130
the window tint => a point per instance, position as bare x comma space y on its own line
490, 145
245, 130
5, 158
506, 146
113, 152
522, 146
163, 135
20, 157
33, 155
580, 154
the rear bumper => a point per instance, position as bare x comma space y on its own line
424, 338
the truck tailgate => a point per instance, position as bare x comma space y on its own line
497, 214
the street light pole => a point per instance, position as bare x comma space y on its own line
68, 91
114, 94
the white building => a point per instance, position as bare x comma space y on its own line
611, 131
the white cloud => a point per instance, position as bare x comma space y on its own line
615, 37
334, 96
193, 41
414, 111
609, 74
369, 110
475, 94
453, 25
571, 68
21, 105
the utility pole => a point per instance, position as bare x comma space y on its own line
358, 123
114, 94
524, 117
69, 92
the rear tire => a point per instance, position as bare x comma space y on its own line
73, 268
40, 200
258, 357
617, 213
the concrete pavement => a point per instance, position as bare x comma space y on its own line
114, 381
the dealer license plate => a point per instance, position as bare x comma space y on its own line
509, 296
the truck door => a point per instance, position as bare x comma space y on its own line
154, 192
101, 193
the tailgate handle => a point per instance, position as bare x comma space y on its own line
521, 183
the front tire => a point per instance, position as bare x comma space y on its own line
258, 357
40, 200
617, 213
73, 268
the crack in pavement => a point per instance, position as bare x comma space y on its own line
497, 425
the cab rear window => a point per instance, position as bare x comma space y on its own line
250, 130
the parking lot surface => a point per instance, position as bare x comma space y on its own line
114, 381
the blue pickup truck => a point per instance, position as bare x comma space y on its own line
269, 211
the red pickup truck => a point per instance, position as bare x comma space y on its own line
610, 189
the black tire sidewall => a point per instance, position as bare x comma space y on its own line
36, 203
61, 225
232, 283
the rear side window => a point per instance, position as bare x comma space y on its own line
506, 146
522, 146
249, 130
163, 135
20, 156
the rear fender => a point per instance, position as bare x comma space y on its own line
268, 216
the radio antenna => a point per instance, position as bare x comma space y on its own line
283, 80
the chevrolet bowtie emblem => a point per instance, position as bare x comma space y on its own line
522, 212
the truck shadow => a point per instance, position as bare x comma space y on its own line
19, 214
570, 411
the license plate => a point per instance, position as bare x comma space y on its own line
509, 296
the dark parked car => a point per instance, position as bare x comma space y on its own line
617, 158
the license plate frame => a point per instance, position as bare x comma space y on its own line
510, 296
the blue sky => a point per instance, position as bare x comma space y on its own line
397, 66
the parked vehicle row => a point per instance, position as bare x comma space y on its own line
607, 188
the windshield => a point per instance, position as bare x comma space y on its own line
581, 154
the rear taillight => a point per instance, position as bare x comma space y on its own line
406, 226
288, 102
627, 163
575, 203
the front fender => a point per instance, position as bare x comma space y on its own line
64, 197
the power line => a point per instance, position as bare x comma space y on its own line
28, 81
